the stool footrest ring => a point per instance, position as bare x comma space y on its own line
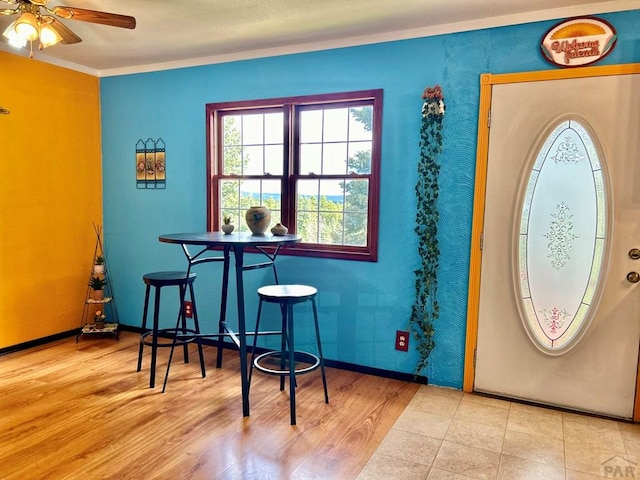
182, 332
304, 357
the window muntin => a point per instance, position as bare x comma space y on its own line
313, 161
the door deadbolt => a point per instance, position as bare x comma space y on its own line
633, 277
634, 253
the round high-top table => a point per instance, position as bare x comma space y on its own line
236, 242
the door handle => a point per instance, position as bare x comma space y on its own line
633, 277
634, 253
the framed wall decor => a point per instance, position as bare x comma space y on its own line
151, 163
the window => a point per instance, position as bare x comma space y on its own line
314, 161
562, 239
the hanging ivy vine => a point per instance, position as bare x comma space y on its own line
425, 310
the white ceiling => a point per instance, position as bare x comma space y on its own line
177, 33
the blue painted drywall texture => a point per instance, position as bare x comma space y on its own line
361, 305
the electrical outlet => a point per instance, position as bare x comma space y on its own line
188, 309
402, 341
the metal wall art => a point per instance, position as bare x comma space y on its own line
150, 164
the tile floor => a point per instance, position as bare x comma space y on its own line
448, 434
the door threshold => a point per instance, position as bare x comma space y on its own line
557, 408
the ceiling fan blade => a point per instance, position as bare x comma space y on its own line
68, 37
93, 16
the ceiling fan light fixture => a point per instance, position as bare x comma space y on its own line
34, 23
15, 40
48, 36
27, 26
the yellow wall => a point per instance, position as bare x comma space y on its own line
50, 193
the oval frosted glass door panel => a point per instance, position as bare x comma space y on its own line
562, 239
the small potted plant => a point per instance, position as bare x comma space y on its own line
98, 319
227, 226
98, 267
97, 285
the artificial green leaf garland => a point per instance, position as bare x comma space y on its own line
425, 310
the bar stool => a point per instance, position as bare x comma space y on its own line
169, 279
287, 296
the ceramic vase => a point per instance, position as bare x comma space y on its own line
279, 230
258, 219
227, 228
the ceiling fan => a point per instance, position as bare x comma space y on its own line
36, 20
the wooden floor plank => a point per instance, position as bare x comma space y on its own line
82, 411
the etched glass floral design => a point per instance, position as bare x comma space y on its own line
561, 238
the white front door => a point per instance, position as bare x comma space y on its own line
596, 370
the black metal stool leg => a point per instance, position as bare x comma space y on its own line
292, 363
182, 322
144, 326
255, 342
196, 327
174, 342
284, 346
223, 303
324, 377
154, 342
283, 342
166, 375
181, 333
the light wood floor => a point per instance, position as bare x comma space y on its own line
70, 411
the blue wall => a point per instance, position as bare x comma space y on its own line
361, 304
